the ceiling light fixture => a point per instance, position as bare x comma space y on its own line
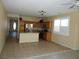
42, 13
73, 4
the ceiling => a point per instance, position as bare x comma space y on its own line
32, 7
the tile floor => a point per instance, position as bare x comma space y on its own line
40, 50
62, 55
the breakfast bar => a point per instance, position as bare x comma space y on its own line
29, 37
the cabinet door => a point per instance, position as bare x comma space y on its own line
21, 26
48, 36
36, 25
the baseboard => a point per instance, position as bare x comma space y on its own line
66, 45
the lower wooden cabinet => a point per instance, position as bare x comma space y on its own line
47, 36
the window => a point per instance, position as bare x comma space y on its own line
14, 26
57, 25
26, 25
29, 26
61, 26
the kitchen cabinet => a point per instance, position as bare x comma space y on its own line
21, 26
47, 36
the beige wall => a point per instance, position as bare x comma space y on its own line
26, 18
71, 41
3, 27
31, 18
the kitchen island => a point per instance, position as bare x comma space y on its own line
29, 37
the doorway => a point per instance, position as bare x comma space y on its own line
13, 27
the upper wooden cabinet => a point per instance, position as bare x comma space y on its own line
36, 25
21, 26
48, 24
